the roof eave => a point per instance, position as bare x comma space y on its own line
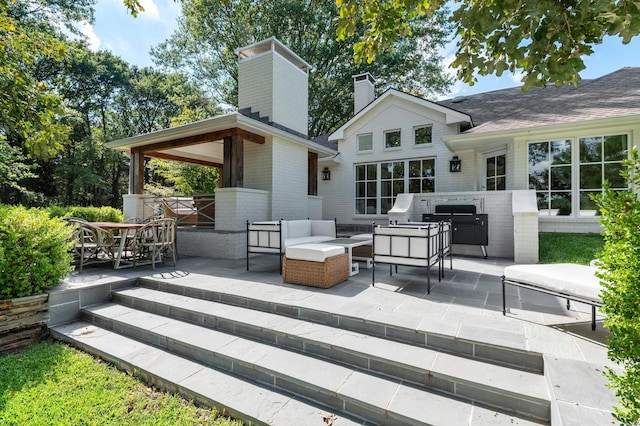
219, 122
453, 140
451, 116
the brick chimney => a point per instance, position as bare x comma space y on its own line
274, 82
364, 91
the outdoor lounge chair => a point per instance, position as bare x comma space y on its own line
181, 210
411, 245
566, 280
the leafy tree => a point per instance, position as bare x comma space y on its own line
169, 178
31, 125
619, 264
545, 39
210, 30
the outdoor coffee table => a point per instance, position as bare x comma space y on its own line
349, 244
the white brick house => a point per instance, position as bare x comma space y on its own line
560, 144
528, 160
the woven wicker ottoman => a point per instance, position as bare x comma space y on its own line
315, 265
362, 251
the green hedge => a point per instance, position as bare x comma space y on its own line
91, 214
34, 251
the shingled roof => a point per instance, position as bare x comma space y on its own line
613, 95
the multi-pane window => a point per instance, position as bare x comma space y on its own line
422, 135
392, 139
366, 189
564, 184
422, 175
550, 175
600, 159
496, 174
391, 184
365, 142
391, 178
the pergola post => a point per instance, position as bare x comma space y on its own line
136, 172
232, 172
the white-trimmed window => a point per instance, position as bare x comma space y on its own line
600, 159
392, 139
566, 172
391, 183
365, 142
366, 188
422, 175
495, 171
422, 135
378, 184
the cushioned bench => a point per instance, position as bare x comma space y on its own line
316, 265
566, 280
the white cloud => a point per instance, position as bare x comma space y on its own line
517, 77
150, 10
86, 29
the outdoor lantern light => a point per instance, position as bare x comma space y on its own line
455, 165
326, 174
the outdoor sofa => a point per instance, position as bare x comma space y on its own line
273, 237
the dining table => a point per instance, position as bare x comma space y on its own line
123, 229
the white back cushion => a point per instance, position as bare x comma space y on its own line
298, 228
323, 227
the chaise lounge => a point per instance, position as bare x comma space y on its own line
569, 281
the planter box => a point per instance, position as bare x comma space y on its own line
23, 321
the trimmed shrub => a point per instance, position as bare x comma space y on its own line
619, 264
34, 251
90, 214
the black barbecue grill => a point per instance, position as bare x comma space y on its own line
468, 227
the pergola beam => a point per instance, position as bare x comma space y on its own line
156, 154
237, 133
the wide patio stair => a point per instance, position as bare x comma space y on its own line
270, 363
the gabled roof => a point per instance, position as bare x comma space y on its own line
201, 140
451, 116
611, 96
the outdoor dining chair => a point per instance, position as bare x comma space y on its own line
91, 244
153, 242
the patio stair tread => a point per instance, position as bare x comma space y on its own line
419, 360
508, 390
392, 402
493, 341
239, 398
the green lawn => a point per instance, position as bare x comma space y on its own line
569, 248
53, 384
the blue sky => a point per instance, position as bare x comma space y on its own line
131, 39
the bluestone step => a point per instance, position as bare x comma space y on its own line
505, 389
509, 350
238, 398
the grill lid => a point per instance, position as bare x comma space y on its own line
455, 209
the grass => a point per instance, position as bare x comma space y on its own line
569, 248
53, 384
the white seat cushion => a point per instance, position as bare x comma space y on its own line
564, 278
362, 237
313, 252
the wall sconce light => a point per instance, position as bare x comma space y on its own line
455, 165
326, 174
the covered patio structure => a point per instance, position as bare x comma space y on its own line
267, 173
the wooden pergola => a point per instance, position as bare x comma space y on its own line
230, 164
